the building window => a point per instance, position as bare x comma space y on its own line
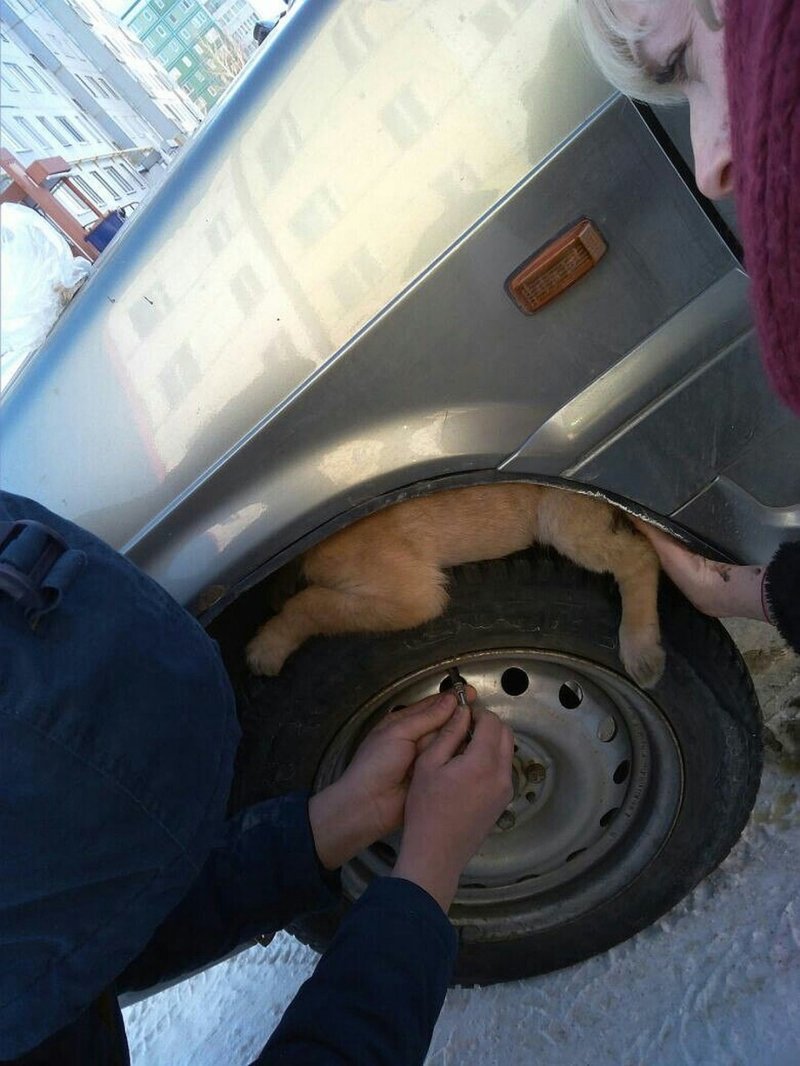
99, 86
101, 181
126, 167
23, 77
57, 135
143, 20
33, 136
179, 377
71, 130
405, 117
84, 186
40, 79
317, 215
13, 139
352, 40
218, 233
86, 85
119, 178
68, 198
93, 129
109, 90
7, 81
170, 52
246, 287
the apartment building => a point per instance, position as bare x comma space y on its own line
77, 85
236, 19
202, 43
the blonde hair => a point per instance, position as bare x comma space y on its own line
611, 42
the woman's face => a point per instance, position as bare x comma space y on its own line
678, 48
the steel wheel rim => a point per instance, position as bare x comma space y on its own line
598, 784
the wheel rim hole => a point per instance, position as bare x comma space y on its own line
447, 683
609, 816
514, 681
570, 695
575, 854
530, 797
622, 772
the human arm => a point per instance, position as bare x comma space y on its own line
377, 992
768, 593
276, 859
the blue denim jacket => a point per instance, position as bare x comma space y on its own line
119, 869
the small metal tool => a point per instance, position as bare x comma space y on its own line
459, 689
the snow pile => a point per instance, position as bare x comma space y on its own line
714, 983
39, 276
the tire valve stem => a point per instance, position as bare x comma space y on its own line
459, 690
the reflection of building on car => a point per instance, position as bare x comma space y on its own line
314, 321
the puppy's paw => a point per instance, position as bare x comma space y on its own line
643, 657
266, 653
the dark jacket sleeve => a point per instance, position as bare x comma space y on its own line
375, 995
262, 873
782, 592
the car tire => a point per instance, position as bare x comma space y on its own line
695, 745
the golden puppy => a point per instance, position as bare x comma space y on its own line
387, 571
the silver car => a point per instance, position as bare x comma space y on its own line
423, 245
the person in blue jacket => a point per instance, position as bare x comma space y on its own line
118, 866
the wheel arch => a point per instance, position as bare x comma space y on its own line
220, 602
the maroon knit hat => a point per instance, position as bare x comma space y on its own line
762, 41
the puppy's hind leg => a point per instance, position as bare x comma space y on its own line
383, 606
598, 536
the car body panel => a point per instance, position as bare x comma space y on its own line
310, 318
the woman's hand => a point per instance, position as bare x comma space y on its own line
721, 590
367, 801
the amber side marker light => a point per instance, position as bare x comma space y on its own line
555, 267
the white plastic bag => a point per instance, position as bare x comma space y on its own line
38, 277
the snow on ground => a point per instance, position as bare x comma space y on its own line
714, 983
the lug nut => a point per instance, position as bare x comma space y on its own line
506, 820
535, 772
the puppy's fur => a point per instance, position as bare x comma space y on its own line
387, 571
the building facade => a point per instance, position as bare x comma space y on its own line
236, 18
79, 86
202, 43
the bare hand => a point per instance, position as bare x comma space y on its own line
456, 796
722, 590
367, 801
